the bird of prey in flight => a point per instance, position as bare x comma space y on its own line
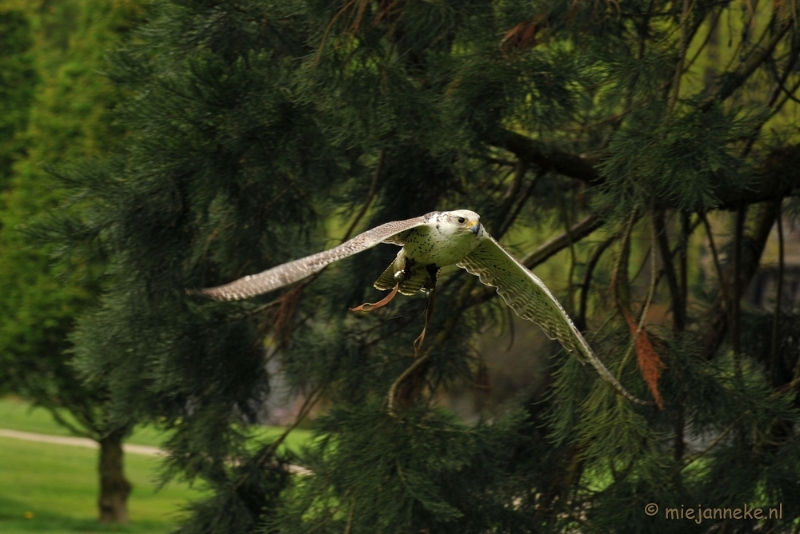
428, 243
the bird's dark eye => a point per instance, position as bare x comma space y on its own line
461, 220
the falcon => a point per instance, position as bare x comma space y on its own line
428, 243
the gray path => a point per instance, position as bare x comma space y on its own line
92, 444
77, 442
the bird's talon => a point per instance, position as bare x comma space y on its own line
368, 306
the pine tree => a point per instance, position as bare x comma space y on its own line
264, 131
17, 80
55, 108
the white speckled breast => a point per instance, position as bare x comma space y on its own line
428, 245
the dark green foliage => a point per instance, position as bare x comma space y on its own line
54, 107
250, 496
17, 82
426, 470
260, 132
695, 151
66, 115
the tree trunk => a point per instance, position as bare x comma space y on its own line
114, 487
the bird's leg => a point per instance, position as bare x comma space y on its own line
415, 368
410, 382
399, 276
433, 271
430, 286
368, 307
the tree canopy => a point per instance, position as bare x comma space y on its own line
55, 107
263, 131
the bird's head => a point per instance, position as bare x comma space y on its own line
461, 222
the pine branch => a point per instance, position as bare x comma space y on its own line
650, 364
712, 28
421, 357
738, 288
350, 515
788, 96
683, 259
708, 449
776, 320
778, 177
91, 432
308, 404
538, 154
620, 280
715, 256
731, 81
570, 244
578, 231
510, 197
678, 317
682, 48
370, 196
718, 311
587, 277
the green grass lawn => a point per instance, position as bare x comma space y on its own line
52, 488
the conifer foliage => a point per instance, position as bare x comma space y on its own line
16, 86
54, 108
265, 131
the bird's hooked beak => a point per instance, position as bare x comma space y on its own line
475, 228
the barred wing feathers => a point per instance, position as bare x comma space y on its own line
531, 300
288, 273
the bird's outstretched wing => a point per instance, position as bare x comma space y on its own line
287, 273
531, 300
